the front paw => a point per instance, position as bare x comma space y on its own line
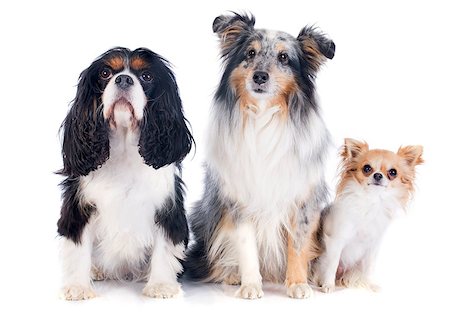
299, 291
358, 282
162, 290
250, 291
97, 274
232, 279
327, 288
77, 292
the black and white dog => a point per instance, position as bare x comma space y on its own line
122, 214
267, 143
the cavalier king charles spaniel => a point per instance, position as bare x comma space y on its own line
124, 138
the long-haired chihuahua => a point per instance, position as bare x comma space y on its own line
375, 184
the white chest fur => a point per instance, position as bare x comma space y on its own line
361, 219
126, 194
263, 161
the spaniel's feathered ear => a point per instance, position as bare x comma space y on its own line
85, 133
165, 138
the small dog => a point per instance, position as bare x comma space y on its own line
374, 185
122, 213
264, 185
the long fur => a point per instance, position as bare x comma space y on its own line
264, 164
122, 214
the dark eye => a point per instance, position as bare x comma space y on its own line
367, 169
283, 58
251, 53
146, 76
105, 73
392, 173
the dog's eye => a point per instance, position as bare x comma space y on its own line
146, 76
251, 53
392, 173
105, 73
283, 58
367, 169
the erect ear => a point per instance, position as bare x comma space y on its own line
353, 148
230, 28
85, 133
316, 47
412, 154
165, 138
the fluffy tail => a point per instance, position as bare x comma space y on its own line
196, 266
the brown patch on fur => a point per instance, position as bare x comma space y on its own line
217, 273
312, 53
298, 260
256, 45
238, 80
116, 63
137, 63
230, 34
287, 86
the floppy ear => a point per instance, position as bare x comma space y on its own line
165, 138
230, 28
315, 47
412, 154
353, 148
85, 134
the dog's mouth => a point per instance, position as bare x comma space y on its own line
376, 184
259, 90
122, 114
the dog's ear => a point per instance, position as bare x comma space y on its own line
231, 28
165, 137
85, 134
412, 154
353, 148
315, 47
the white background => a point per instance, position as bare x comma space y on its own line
388, 84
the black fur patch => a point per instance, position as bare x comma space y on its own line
205, 216
74, 214
172, 217
165, 138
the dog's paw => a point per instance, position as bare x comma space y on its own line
358, 282
97, 274
327, 288
232, 279
162, 290
299, 291
77, 292
250, 291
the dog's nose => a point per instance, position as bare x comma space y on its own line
378, 177
260, 77
124, 81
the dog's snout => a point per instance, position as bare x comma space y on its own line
377, 177
124, 81
260, 77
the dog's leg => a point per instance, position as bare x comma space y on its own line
325, 274
248, 260
297, 269
164, 268
359, 275
76, 260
